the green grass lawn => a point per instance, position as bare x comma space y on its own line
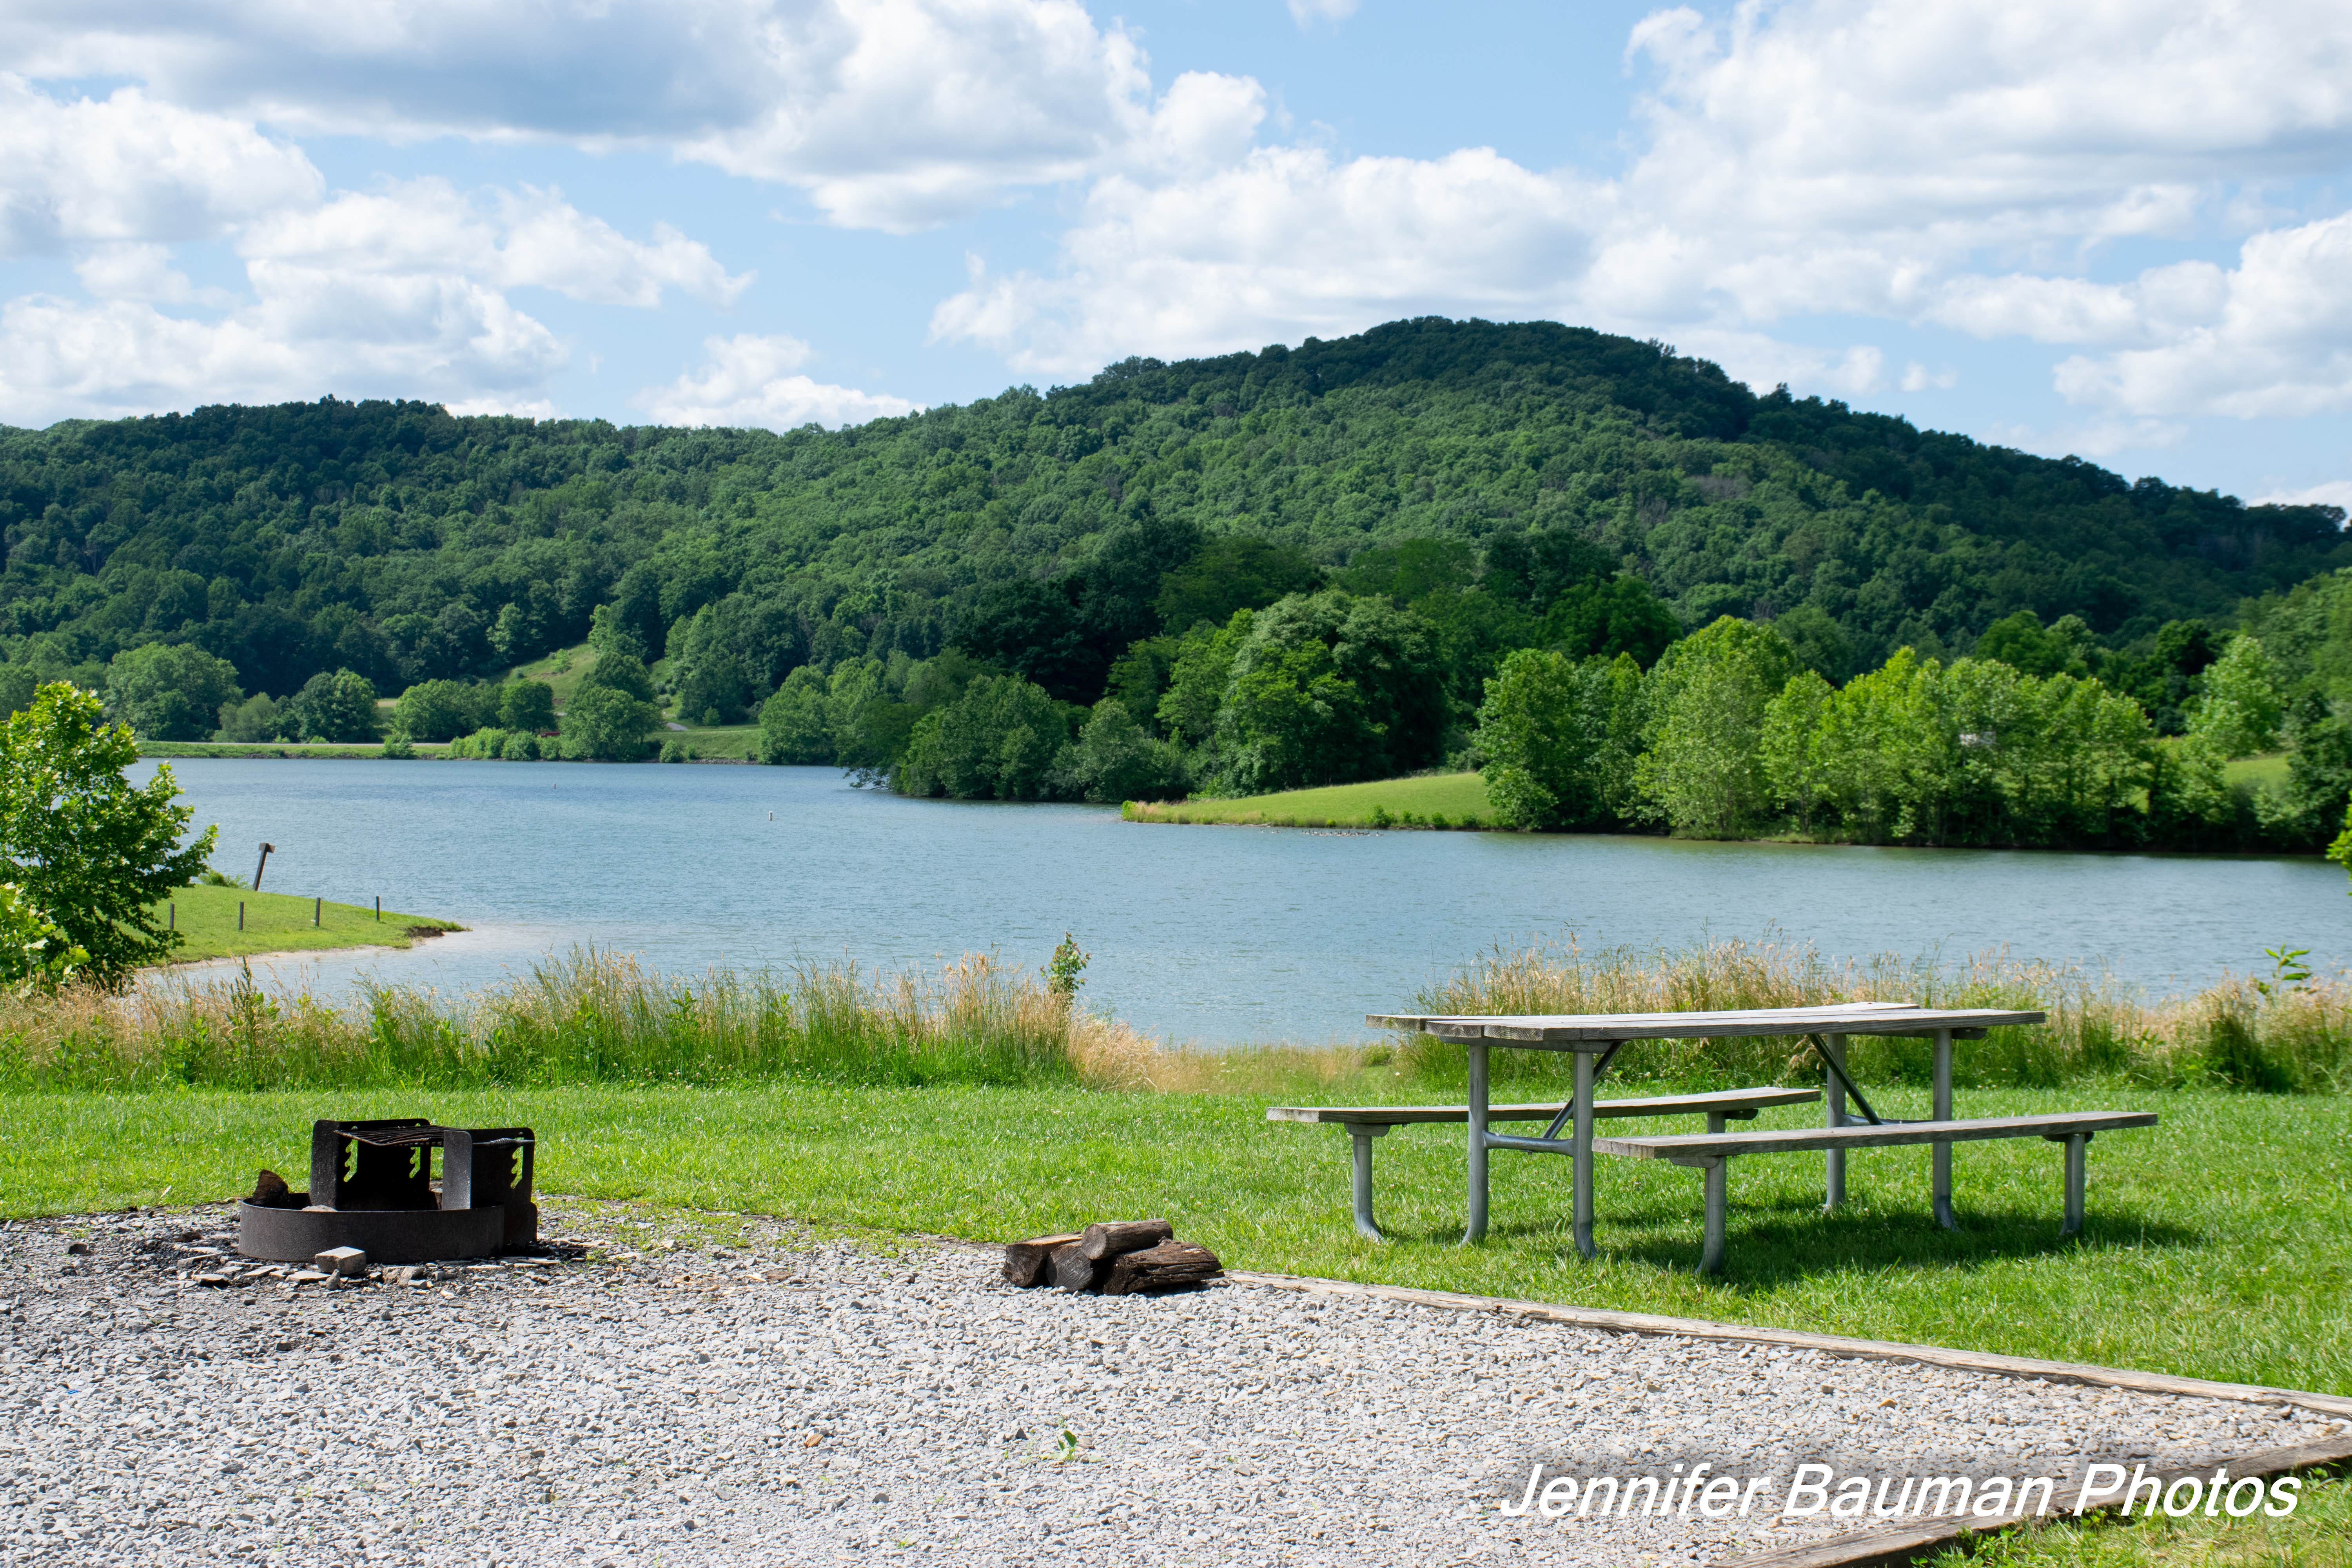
206, 918
2270, 768
1457, 797
728, 742
2214, 1245
574, 662
2318, 1535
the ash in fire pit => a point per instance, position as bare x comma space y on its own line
374, 1186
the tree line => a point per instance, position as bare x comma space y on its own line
1037, 530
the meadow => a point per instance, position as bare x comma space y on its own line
206, 919
1423, 800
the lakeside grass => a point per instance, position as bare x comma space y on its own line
576, 661
206, 919
2212, 1248
332, 749
2268, 769
2318, 1535
1438, 800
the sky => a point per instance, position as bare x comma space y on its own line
2121, 230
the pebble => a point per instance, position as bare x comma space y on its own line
723, 1390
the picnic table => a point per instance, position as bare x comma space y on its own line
1595, 1039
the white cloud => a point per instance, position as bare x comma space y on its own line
2334, 492
127, 169
1289, 242
2273, 337
398, 292
748, 380
1306, 13
1952, 163
889, 113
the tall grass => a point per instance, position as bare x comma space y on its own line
2238, 1033
588, 1018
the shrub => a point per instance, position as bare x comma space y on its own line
521, 746
338, 707
606, 725
527, 705
170, 691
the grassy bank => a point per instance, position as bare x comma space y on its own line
2213, 1244
2318, 1535
1433, 800
206, 919
330, 748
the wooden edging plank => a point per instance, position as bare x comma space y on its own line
1899, 1547
1831, 1344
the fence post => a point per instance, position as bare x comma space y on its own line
173, 919
240, 914
318, 909
378, 906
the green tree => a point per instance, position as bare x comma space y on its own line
1790, 744
35, 955
91, 852
618, 669
170, 691
1550, 733
796, 723
2240, 702
1203, 668
1114, 759
998, 740
1704, 764
438, 711
527, 705
338, 707
1331, 688
256, 718
1233, 572
606, 725
715, 690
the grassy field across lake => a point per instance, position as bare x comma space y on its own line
2213, 1245
1428, 800
206, 919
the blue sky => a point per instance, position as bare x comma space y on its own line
2121, 232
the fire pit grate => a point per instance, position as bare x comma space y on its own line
402, 1190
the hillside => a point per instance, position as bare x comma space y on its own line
406, 544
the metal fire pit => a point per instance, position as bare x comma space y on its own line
373, 1186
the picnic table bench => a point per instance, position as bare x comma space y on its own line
1366, 1122
1595, 1039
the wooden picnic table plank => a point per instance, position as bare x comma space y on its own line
1595, 1029
1647, 1105
1793, 1140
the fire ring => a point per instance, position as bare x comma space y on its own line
373, 1186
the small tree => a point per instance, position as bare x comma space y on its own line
527, 705
170, 691
91, 853
338, 707
607, 726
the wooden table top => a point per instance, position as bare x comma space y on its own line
1598, 1028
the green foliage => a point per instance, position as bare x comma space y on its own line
1115, 759
603, 724
1327, 689
1198, 676
338, 707
398, 748
1702, 763
527, 705
445, 710
1232, 572
257, 718
1064, 968
617, 670
90, 852
1559, 737
997, 741
2024, 644
35, 955
168, 692
796, 724
2240, 704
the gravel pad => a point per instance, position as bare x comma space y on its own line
713, 1389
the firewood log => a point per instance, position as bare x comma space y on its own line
1109, 1239
1074, 1270
1029, 1263
1166, 1267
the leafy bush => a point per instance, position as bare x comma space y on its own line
608, 725
998, 740
91, 853
527, 705
1115, 759
256, 719
338, 707
170, 691
520, 746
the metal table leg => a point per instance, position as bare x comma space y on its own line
1475, 1229
2077, 1148
1361, 1134
1717, 1172
1942, 1152
1833, 1047
1582, 1158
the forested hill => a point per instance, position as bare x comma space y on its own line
399, 541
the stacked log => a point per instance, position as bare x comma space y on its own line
1116, 1257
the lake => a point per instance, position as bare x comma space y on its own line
1215, 935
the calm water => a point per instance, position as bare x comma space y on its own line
1213, 934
